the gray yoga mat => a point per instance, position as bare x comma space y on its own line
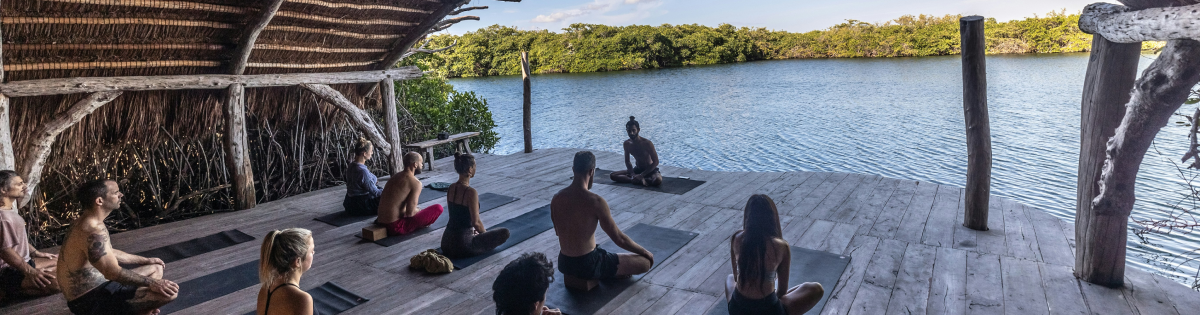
487, 202
670, 185
197, 246
341, 218
521, 228
214, 285
807, 266
330, 298
660, 241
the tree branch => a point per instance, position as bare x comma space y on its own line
1121, 25
460, 11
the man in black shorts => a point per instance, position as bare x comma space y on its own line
89, 269
576, 212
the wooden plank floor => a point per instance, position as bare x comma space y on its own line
910, 254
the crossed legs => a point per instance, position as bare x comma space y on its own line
146, 301
798, 300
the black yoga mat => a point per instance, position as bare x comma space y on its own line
197, 246
520, 229
660, 241
487, 202
670, 185
214, 285
330, 298
341, 218
807, 266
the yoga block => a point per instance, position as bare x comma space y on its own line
374, 232
579, 284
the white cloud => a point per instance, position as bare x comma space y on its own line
557, 16
599, 7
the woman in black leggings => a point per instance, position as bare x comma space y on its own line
286, 255
465, 235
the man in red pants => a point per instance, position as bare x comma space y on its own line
398, 203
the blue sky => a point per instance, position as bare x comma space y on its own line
789, 15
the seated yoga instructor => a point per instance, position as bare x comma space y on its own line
465, 235
24, 271
362, 188
286, 255
89, 269
575, 212
644, 170
398, 204
760, 257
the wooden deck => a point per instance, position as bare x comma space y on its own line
910, 254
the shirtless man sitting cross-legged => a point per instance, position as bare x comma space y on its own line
89, 269
575, 212
398, 202
645, 171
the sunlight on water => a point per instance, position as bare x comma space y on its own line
899, 117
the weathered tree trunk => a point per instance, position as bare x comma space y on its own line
7, 160
358, 117
395, 156
1118, 24
526, 107
35, 155
246, 43
979, 133
237, 155
1161, 90
1111, 72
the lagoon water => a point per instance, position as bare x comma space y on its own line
894, 117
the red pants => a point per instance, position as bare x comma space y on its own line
422, 219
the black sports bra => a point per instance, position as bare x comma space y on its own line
267, 309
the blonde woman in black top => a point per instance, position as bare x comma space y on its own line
286, 255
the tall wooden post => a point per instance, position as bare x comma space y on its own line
528, 103
237, 155
388, 93
979, 133
1102, 238
8, 160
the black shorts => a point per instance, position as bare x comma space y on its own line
10, 280
768, 305
599, 264
108, 298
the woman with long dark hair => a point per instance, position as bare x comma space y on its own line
761, 263
286, 255
362, 188
465, 235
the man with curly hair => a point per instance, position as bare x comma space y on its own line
520, 289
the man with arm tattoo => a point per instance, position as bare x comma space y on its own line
90, 271
24, 271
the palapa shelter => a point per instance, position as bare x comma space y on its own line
192, 99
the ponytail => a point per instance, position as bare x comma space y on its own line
279, 250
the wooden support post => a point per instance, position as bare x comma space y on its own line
246, 43
979, 134
527, 104
237, 155
358, 118
396, 155
38, 150
8, 161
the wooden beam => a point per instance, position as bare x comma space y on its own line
401, 46
1122, 25
527, 103
39, 147
246, 43
388, 94
116, 47
299, 29
310, 17
113, 21
309, 66
111, 65
358, 117
1111, 72
335, 5
318, 49
237, 154
8, 160
174, 5
194, 82
979, 134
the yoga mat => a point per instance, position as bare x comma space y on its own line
341, 218
660, 241
520, 229
670, 185
487, 202
214, 285
807, 266
330, 298
197, 246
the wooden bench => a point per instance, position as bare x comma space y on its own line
426, 147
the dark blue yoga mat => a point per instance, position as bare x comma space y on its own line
520, 229
330, 298
670, 185
660, 241
341, 218
807, 266
214, 285
487, 202
197, 246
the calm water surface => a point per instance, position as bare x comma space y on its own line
899, 118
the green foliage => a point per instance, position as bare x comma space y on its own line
437, 107
493, 50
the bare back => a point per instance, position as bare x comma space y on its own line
76, 275
776, 265
576, 213
399, 197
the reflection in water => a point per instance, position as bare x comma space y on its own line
899, 117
